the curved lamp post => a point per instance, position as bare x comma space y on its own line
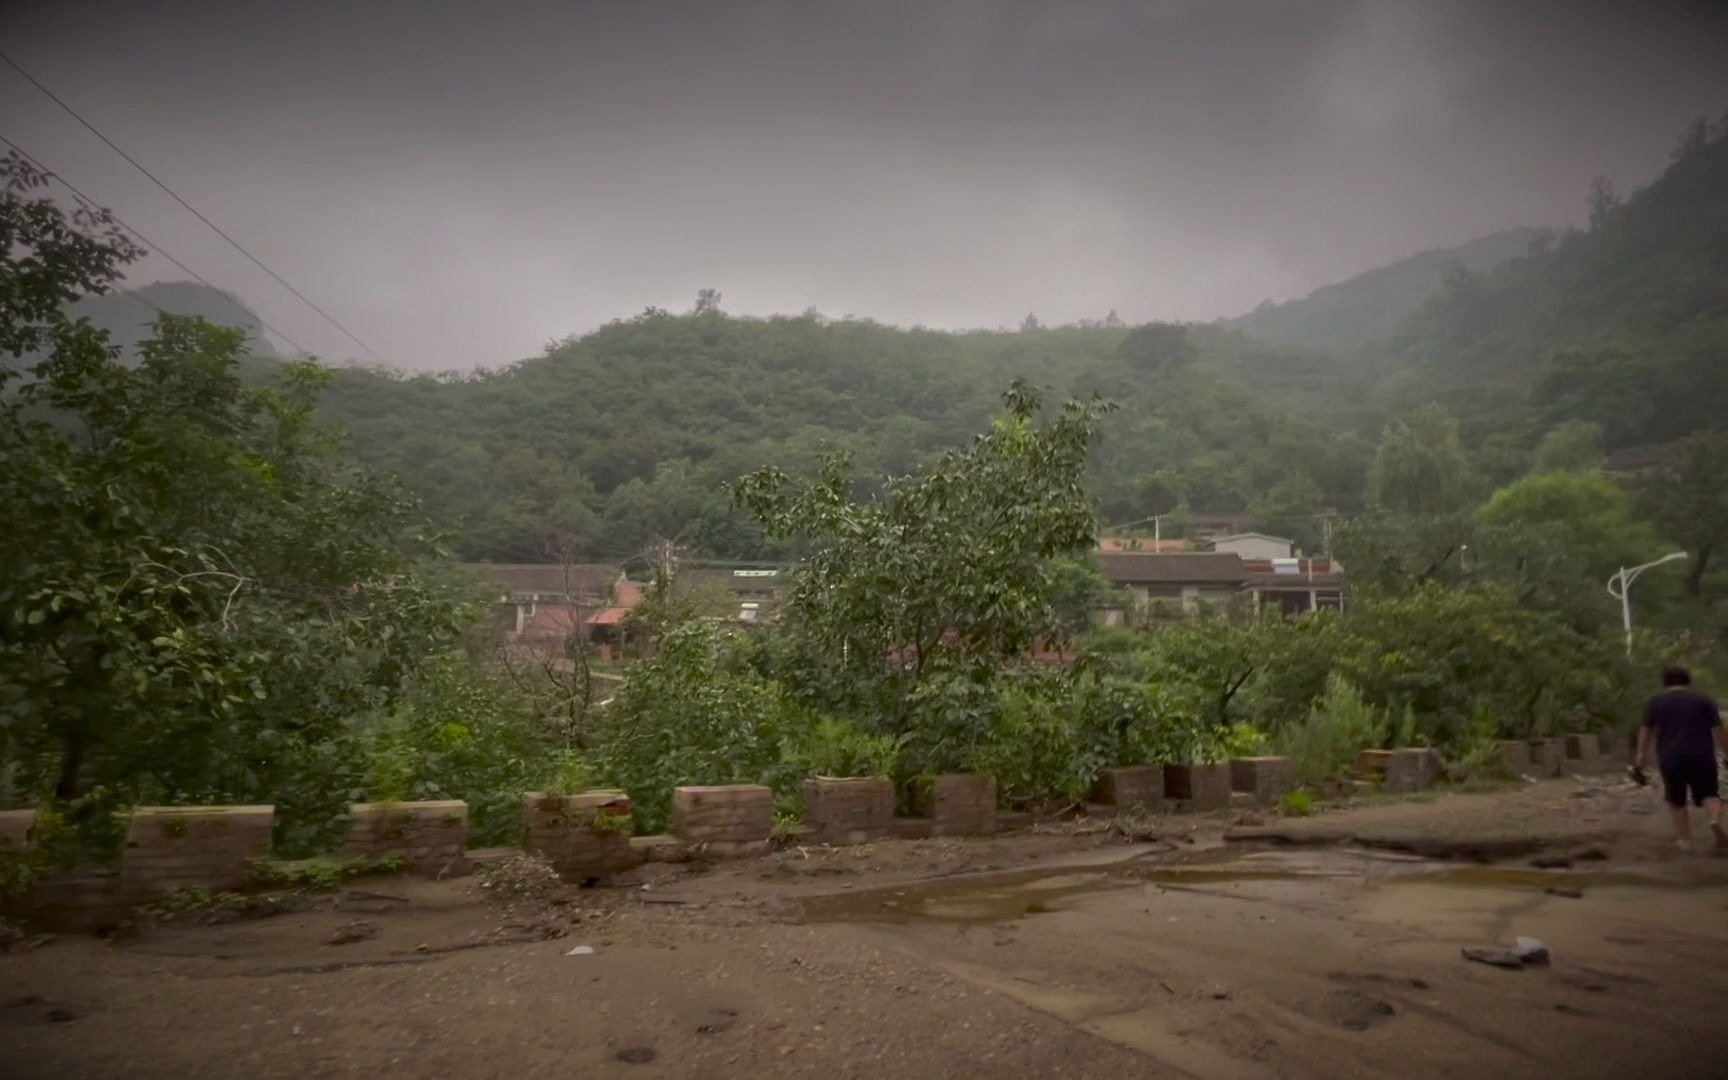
1621, 583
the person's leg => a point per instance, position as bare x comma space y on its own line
1706, 790
1674, 785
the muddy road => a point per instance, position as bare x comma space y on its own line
1327, 947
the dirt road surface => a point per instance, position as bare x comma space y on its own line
1323, 947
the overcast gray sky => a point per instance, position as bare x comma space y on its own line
460, 182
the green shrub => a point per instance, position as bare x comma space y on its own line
689, 716
1340, 724
1297, 803
569, 774
1475, 755
463, 731
834, 747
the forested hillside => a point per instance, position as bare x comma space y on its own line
127, 316
1624, 325
625, 435
1370, 306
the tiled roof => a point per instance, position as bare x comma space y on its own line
1136, 568
611, 616
1216, 540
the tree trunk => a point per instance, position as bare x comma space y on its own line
66, 788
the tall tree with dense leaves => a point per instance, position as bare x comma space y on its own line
950, 568
1688, 498
1421, 467
1572, 446
195, 597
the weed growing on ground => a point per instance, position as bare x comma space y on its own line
192, 901
1297, 803
322, 874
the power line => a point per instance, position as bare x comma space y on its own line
145, 241
235, 244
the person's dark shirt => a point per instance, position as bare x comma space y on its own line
1684, 724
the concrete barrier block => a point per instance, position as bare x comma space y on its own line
583, 836
1583, 752
913, 828
1403, 770
1616, 748
1267, 779
17, 829
849, 810
1547, 757
1413, 768
207, 847
963, 804
661, 847
723, 815
431, 836
1515, 756
1200, 787
1131, 785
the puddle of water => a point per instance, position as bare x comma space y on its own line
1002, 897
1516, 877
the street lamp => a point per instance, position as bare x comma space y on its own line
1620, 584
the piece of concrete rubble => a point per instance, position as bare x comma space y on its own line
1493, 956
1530, 950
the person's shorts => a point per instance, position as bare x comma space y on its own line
1697, 778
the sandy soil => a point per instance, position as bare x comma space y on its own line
1324, 947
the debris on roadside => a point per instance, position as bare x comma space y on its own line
349, 933
1524, 952
1530, 950
1493, 956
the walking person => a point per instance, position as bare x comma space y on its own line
1686, 727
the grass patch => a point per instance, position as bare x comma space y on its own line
1297, 803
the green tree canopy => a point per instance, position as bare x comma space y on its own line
947, 568
1421, 467
195, 596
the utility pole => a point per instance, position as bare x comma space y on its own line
1620, 585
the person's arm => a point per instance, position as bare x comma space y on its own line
1718, 730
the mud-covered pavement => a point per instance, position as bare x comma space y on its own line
1327, 947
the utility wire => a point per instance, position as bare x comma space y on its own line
145, 241
235, 244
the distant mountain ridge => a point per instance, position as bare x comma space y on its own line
127, 315
1369, 307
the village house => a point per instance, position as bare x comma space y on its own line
541, 604
1177, 582
1295, 585
1254, 545
1186, 583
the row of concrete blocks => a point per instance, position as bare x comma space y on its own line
1259, 781
738, 819
217, 847
588, 834
1579, 753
